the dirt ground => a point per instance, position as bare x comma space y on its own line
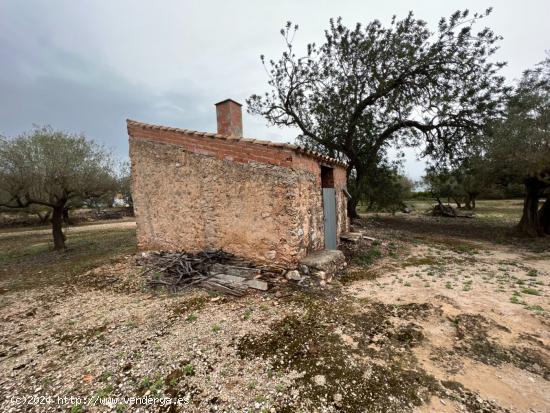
434, 315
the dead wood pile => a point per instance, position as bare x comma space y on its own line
448, 211
212, 270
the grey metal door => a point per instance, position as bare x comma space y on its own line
329, 206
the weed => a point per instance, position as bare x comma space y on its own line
260, 398
515, 300
216, 328
77, 408
104, 392
190, 318
189, 369
531, 291
535, 308
105, 376
368, 257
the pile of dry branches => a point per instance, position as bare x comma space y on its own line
180, 270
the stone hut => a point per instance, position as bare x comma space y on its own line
264, 201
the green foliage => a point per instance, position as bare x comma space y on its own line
518, 146
385, 189
189, 370
531, 291
368, 257
190, 318
53, 169
48, 167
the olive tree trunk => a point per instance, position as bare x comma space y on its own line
544, 216
530, 224
57, 228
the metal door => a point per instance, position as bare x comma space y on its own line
329, 207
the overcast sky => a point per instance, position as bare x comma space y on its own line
86, 66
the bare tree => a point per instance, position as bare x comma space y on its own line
49, 168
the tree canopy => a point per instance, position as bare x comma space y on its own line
370, 86
518, 145
50, 168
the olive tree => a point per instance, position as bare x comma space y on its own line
368, 87
51, 168
519, 146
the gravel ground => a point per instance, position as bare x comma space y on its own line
415, 324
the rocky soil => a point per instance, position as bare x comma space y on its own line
417, 324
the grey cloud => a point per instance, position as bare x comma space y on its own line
87, 66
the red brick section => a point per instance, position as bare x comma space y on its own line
229, 117
227, 148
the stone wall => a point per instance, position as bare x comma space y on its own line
193, 202
259, 202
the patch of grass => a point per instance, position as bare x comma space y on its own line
418, 261
189, 369
153, 385
105, 376
368, 257
260, 398
535, 308
190, 318
120, 408
104, 392
247, 314
532, 273
31, 263
531, 291
216, 328
448, 285
77, 408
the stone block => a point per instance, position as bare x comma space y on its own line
257, 284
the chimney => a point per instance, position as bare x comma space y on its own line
230, 119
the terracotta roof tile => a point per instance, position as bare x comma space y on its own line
298, 149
